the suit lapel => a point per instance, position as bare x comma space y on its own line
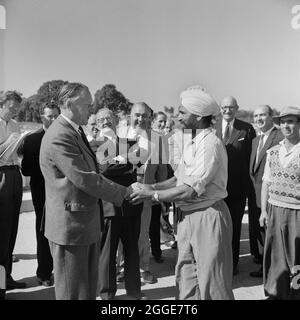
266, 146
78, 137
253, 153
234, 133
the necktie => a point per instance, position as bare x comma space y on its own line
83, 136
227, 133
260, 146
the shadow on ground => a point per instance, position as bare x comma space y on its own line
155, 294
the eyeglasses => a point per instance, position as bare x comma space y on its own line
101, 120
229, 108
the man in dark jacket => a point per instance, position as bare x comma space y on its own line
268, 137
120, 223
30, 166
237, 136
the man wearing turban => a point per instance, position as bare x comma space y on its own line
204, 265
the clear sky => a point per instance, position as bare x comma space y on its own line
153, 49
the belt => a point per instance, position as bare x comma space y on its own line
140, 174
9, 167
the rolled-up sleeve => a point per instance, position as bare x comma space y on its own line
204, 171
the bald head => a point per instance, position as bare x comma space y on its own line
141, 116
229, 107
229, 101
262, 117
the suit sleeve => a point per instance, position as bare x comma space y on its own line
70, 161
26, 164
250, 136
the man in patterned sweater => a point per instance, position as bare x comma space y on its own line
280, 211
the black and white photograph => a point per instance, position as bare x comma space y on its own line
149, 151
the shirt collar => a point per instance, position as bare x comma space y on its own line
224, 123
72, 123
267, 133
202, 132
295, 147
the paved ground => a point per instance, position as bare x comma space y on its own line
245, 287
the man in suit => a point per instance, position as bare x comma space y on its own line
30, 166
119, 223
237, 136
74, 216
158, 125
268, 137
150, 169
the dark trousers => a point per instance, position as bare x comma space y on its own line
75, 271
44, 258
11, 191
126, 229
154, 231
236, 207
256, 232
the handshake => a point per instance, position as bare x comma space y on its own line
138, 192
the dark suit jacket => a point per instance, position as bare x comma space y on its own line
125, 175
30, 166
73, 187
238, 150
257, 169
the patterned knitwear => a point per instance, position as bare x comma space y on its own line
284, 189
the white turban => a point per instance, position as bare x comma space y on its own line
198, 102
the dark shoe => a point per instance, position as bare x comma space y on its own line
15, 259
46, 282
256, 274
139, 296
235, 271
148, 277
272, 298
2, 294
120, 277
174, 245
158, 259
11, 284
258, 260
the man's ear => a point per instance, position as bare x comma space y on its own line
69, 104
198, 118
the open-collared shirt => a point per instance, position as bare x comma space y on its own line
203, 166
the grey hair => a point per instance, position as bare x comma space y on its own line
143, 104
106, 109
69, 91
10, 95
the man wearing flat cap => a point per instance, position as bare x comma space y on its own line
280, 211
204, 266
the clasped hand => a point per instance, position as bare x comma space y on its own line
138, 192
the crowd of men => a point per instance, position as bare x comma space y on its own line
100, 183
